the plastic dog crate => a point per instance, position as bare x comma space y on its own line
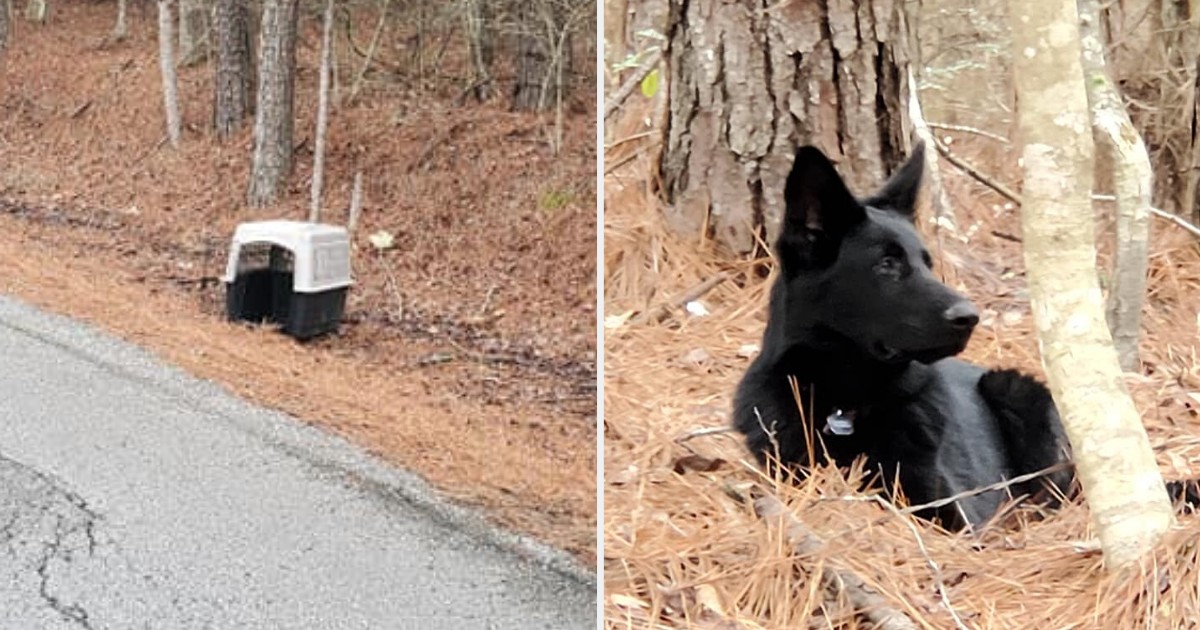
291, 273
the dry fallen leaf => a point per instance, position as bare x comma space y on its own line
613, 322
627, 601
697, 356
697, 463
696, 309
708, 598
623, 477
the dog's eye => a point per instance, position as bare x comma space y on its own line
889, 265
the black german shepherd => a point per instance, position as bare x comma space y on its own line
866, 329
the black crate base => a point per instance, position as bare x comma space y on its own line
266, 295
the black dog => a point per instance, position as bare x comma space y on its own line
866, 329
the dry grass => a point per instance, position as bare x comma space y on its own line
683, 544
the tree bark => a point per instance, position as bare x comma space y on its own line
193, 32
37, 11
318, 176
1155, 47
541, 58
1190, 204
4, 20
234, 78
273, 120
746, 86
166, 62
1113, 458
1132, 184
477, 22
121, 28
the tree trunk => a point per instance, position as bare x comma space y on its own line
614, 31
746, 86
1190, 205
273, 119
1113, 458
477, 21
1156, 44
542, 25
121, 29
1132, 183
234, 78
193, 32
167, 64
37, 11
318, 176
4, 19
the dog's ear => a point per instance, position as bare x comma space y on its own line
820, 211
899, 194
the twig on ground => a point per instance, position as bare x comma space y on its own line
637, 136
939, 583
695, 433
616, 164
627, 88
393, 285
999, 485
79, 111
663, 311
158, 145
487, 300
838, 581
431, 145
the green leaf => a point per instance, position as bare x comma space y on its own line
650, 84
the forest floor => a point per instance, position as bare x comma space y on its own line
683, 544
467, 352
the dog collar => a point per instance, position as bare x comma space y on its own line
840, 422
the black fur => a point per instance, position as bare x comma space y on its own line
860, 321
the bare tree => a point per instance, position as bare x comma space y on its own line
1132, 183
4, 19
480, 49
362, 73
273, 118
1155, 57
746, 86
37, 10
234, 78
543, 51
193, 31
1113, 458
166, 62
318, 177
121, 29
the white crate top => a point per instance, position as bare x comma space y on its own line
320, 252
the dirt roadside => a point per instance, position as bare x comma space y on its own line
475, 369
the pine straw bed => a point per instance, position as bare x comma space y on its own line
683, 545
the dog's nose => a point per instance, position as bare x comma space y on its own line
962, 315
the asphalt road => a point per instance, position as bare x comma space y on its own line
133, 496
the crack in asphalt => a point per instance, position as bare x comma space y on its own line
72, 612
40, 497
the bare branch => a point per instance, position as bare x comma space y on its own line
979, 176
971, 130
636, 78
